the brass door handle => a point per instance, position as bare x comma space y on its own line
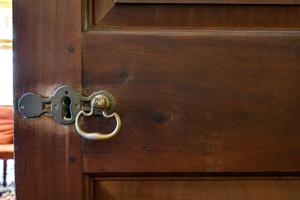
66, 106
98, 102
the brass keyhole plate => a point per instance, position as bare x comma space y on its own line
63, 105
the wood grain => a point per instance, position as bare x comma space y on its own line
193, 16
196, 188
46, 55
197, 94
206, 101
212, 1
100, 8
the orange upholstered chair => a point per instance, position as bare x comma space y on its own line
6, 137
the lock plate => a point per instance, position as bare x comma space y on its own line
63, 105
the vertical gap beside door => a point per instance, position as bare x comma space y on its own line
6, 102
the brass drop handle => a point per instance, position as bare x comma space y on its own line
99, 102
67, 105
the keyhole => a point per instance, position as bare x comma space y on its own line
66, 105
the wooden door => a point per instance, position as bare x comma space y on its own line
208, 92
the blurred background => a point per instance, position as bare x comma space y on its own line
6, 101
6, 86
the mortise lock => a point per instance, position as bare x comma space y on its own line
66, 106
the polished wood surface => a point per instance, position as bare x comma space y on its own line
46, 55
175, 16
196, 188
212, 1
206, 94
200, 101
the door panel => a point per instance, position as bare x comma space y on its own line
212, 1
208, 96
202, 101
106, 14
194, 188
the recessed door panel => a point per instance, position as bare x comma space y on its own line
209, 101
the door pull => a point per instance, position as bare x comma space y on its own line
67, 105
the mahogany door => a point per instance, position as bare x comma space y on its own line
208, 92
